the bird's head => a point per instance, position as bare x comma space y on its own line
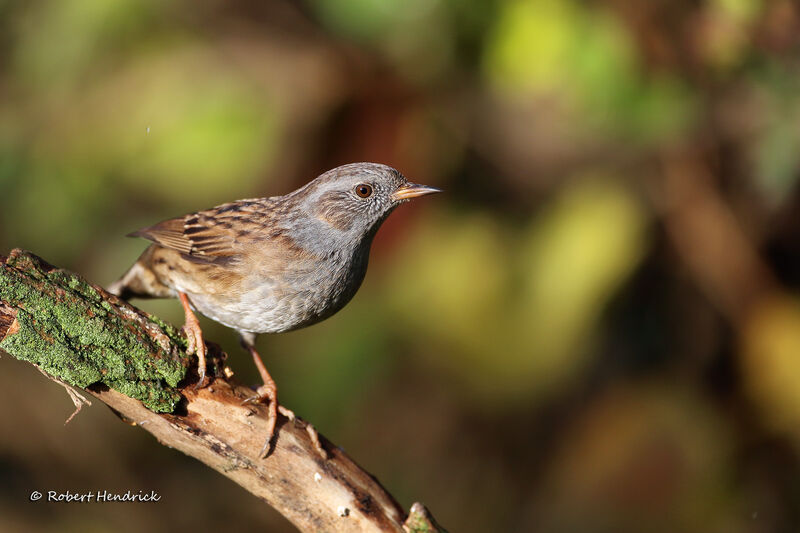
356, 198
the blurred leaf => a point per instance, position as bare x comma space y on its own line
394, 28
217, 134
370, 19
456, 295
770, 364
775, 148
584, 59
517, 333
531, 45
577, 254
725, 32
742, 10
61, 39
182, 124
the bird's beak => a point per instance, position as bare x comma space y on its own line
412, 190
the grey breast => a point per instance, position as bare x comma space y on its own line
303, 294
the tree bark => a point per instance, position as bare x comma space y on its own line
80, 335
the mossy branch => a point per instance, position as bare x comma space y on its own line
79, 334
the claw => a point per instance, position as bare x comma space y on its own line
267, 392
312, 432
201, 372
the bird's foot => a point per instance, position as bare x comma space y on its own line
312, 432
267, 393
194, 341
196, 345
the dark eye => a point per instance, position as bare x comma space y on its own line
364, 190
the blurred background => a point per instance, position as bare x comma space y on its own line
603, 333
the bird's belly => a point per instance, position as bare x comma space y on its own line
271, 309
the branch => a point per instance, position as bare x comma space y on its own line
80, 335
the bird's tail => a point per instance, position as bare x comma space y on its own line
139, 282
124, 286
119, 288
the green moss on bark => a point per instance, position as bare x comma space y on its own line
82, 335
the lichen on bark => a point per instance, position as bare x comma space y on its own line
420, 521
79, 333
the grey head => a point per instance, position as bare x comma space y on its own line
353, 200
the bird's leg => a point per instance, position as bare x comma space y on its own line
269, 391
194, 339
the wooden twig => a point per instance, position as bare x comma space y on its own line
78, 399
80, 335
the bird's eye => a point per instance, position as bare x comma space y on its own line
364, 190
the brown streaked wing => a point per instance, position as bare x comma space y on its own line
203, 234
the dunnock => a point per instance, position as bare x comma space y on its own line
268, 265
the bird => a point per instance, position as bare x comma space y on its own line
269, 265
